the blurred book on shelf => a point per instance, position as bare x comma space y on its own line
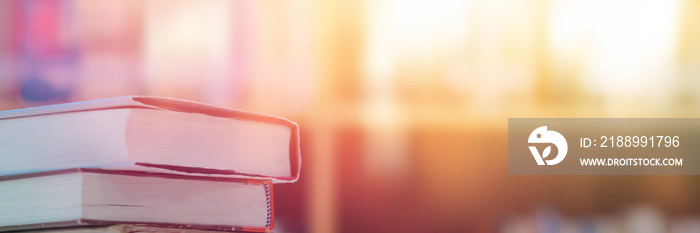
637, 219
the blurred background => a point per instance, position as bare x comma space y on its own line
403, 105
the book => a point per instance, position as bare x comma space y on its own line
150, 134
127, 228
93, 197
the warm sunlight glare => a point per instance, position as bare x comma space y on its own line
623, 49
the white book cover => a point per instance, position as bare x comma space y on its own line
150, 134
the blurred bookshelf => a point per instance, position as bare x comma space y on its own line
403, 105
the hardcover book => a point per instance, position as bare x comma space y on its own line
129, 228
150, 134
95, 197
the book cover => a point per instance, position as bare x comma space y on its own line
152, 104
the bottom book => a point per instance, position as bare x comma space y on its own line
93, 197
121, 228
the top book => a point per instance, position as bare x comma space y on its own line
152, 134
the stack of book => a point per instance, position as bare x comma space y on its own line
134, 164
